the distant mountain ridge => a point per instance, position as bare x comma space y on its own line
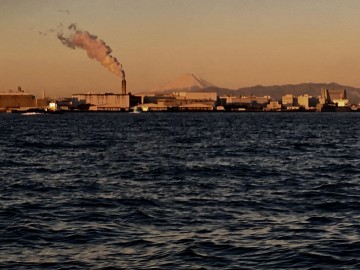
192, 83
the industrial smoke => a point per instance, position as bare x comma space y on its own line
95, 48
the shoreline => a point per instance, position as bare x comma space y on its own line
179, 111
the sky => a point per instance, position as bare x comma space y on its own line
230, 43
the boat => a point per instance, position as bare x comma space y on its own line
31, 113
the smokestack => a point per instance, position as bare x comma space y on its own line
123, 87
123, 82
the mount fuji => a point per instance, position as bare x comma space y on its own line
186, 82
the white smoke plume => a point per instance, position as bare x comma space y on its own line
95, 48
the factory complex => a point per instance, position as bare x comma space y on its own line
21, 101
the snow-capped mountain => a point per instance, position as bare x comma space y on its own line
186, 82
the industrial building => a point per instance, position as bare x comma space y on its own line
289, 101
274, 105
333, 100
307, 102
244, 103
247, 100
107, 101
302, 102
103, 102
196, 96
180, 101
334, 96
18, 100
196, 107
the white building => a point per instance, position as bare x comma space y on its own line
247, 99
273, 105
307, 102
196, 96
288, 100
104, 102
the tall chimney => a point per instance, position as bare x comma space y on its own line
123, 87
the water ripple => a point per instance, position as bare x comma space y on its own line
180, 191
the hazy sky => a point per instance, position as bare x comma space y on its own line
230, 43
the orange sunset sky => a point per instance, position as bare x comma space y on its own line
230, 43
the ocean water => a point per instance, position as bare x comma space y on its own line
180, 191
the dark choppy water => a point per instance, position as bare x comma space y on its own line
180, 191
